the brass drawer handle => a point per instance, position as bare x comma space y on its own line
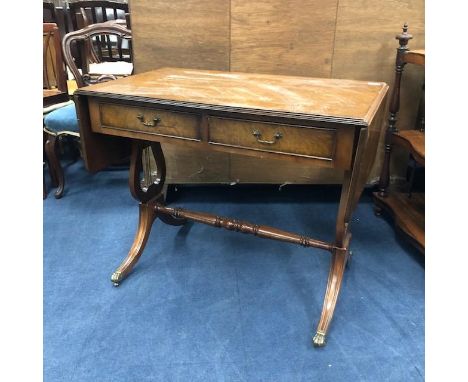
152, 123
257, 134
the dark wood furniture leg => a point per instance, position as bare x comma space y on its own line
44, 188
44, 163
147, 196
53, 175
55, 169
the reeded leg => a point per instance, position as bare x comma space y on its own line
147, 216
337, 268
351, 189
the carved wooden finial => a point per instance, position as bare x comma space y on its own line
404, 37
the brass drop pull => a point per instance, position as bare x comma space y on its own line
152, 123
257, 134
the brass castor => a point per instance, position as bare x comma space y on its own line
319, 340
116, 278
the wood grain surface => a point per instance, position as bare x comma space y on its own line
185, 33
280, 138
292, 37
150, 120
343, 99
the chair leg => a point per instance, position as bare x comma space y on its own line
51, 149
53, 176
44, 188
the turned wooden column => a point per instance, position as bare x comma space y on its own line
394, 107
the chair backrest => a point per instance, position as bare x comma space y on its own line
103, 48
110, 28
48, 12
54, 74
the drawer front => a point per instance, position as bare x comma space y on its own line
149, 120
319, 143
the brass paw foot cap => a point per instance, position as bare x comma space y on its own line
116, 278
319, 340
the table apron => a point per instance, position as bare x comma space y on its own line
329, 147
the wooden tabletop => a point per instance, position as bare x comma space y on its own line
354, 100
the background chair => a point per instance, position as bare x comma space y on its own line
51, 13
48, 12
54, 86
63, 121
103, 49
54, 75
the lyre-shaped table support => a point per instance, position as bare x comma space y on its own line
147, 196
152, 206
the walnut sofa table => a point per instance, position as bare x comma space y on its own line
321, 122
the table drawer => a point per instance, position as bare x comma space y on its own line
319, 143
149, 120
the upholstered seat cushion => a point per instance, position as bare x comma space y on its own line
62, 119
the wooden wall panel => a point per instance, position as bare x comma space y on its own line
365, 36
185, 33
283, 37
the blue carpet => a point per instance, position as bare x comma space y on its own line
205, 304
